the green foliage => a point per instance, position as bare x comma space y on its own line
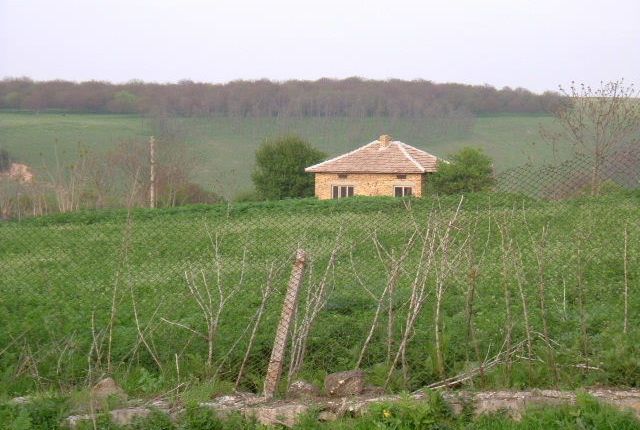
42, 413
5, 160
411, 415
430, 413
199, 418
156, 420
622, 361
206, 390
279, 171
123, 102
467, 171
224, 148
414, 415
246, 196
103, 422
149, 383
74, 260
588, 413
190, 193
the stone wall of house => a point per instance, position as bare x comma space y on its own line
368, 184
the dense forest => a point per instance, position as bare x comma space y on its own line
352, 97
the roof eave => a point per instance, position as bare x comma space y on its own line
351, 172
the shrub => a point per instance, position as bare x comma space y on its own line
5, 160
45, 413
246, 196
469, 170
280, 164
156, 420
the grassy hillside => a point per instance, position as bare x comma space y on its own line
223, 148
548, 277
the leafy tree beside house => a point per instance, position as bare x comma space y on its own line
469, 170
279, 171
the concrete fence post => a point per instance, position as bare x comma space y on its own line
274, 371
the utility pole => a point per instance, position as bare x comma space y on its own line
152, 172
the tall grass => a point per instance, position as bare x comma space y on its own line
93, 293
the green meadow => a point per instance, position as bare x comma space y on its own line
223, 148
546, 280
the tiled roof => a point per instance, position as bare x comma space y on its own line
379, 156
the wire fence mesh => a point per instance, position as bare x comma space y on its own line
533, 284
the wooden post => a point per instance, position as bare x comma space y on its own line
274, 371
152, 172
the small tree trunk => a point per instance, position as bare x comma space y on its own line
152, 172
438, 330
626, 283
582, 306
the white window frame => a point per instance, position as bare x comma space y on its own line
340, 188
404, 189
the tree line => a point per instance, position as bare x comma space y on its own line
352, 97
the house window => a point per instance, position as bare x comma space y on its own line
402, 191
401, 176
341, 191
342, 176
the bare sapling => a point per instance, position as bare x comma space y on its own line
474, 263
94, 350
539, 246
67, 183
392, 275
152, 172
435, 262
142, 333
507, 249
520, 280
625, 259
391, 312
27, 363
419, 294
597, 122
582, 304
582, 260
392, 266
487, 364
211, 296
101, 180
265, 293
124, 252
125, 248
443, 271
539, 251
564, 298
472, 281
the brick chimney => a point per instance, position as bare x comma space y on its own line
384, 140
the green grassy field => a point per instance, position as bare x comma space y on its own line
223, 148
66, 277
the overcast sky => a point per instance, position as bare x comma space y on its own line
533, 44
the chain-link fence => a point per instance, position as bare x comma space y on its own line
534, 284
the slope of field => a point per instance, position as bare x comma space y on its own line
223, 148
546, 278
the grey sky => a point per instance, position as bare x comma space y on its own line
533, 44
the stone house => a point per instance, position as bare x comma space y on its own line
384, 167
